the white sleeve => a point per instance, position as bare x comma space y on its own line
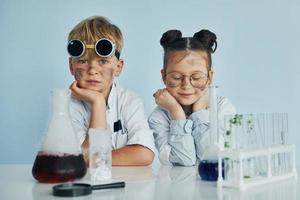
79, 118
135, 123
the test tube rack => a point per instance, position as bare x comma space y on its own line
237, 161
245, 166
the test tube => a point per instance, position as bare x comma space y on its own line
213, 115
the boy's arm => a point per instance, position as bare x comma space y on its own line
98, 112
140, 136
132, 155
97, 120
140, 148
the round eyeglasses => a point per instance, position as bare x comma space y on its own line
197, 80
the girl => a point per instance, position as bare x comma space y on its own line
181, 119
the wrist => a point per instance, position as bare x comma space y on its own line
98, 104
176, 113
98, 116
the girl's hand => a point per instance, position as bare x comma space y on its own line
89, 96
202, 102
164, 99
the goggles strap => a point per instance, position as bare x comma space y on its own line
117, 54
89, 46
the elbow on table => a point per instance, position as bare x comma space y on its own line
147, 157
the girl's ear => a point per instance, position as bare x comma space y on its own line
210, 75
70, 66
163, 75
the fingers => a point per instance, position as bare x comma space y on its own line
154, 94
74, 88
158, 93
73, 85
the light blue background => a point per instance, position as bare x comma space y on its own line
256, 64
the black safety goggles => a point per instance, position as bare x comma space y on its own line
103, 47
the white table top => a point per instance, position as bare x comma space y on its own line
16, 182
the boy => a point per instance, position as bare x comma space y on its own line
97, 102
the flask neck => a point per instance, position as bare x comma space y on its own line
60, 101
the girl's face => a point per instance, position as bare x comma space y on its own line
186, 76
95, 73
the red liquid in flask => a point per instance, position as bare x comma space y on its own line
49, 168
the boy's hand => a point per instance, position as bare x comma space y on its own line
89, 96
164, 99
202, 102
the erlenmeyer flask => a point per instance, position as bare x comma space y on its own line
60, 158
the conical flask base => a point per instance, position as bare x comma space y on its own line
50, 168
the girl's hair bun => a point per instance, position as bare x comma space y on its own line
208, 39
169, 37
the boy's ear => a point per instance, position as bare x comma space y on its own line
210, 75
119, 68
70, 66
163, 75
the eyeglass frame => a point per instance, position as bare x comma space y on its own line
184, 76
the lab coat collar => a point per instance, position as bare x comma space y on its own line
111, 97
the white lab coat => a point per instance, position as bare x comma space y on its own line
125, 117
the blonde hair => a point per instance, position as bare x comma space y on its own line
91, 29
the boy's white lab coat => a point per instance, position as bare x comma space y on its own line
125, 117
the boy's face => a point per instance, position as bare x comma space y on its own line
95, 73
186, 76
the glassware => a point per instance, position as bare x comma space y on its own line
208, 170
59, 158
208, 166
246, 131
254, 131
100, 154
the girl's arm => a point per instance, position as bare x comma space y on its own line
201, 124
173, 139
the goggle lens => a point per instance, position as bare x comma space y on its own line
104, 48
75, 48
